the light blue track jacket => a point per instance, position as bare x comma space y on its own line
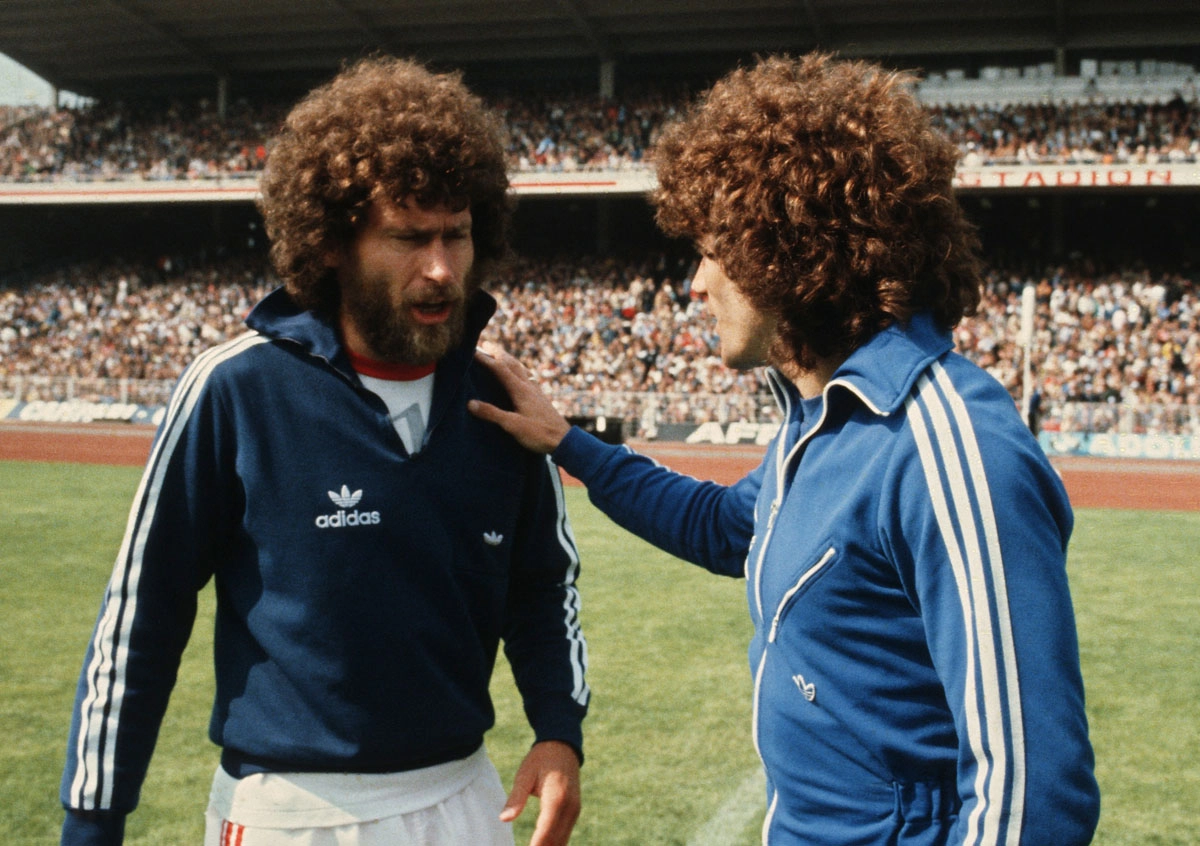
361, 592
915, 664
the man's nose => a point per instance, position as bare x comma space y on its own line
438, 264
700, 280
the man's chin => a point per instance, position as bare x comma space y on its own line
422, 345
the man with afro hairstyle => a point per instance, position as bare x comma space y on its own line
915, 667
370, 542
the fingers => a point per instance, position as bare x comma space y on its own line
491, 349
534, 421
507, 369
551, 772
559, 812
486, 411
495, 358
516, 798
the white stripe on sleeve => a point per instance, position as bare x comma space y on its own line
100, 709
962, 505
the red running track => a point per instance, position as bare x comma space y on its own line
1091, 482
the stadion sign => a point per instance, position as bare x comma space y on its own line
1030, 177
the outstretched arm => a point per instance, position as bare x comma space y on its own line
702, 522
535, 422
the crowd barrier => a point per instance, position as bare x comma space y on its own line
1108, 430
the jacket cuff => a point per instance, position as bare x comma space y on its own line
580, 453
93, 828
560, 720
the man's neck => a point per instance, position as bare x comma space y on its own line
353, 340
810, 381
388, 370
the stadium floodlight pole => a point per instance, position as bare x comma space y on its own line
1028, 303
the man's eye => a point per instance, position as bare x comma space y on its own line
417, 238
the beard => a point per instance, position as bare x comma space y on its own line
390, 330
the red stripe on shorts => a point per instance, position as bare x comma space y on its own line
231, 833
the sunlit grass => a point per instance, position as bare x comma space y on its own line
668, 736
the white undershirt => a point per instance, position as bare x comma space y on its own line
408, 403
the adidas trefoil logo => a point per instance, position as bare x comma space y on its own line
343, 518
807, 688
345, 499
493, 538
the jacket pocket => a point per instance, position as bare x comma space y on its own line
789, 598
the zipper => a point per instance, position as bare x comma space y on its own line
762, 552
787, 597
782, 462
762, 666
758, 674
762, 660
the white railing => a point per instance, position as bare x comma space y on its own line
641, 414
1089, 418
145, 392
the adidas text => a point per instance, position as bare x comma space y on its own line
347, 518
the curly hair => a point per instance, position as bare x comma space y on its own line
383, 128
826, 194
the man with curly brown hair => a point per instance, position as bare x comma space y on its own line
915, 664
370, 542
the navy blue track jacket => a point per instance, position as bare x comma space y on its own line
361, 591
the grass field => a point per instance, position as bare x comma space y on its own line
669, 755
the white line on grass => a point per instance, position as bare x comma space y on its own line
727, 824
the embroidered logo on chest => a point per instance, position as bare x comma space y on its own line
345, 499
342, 518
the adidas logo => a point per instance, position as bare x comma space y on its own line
344, 499
493, 538
807, 688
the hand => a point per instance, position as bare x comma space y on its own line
551, 772
535, 423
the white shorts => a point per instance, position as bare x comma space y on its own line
445, 805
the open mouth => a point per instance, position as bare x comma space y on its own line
432, 312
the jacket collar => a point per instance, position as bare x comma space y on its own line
882, 372
279, 317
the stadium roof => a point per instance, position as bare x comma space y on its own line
118, 47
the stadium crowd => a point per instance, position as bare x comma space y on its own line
191, 141
626, 338
1083, 133
567, 132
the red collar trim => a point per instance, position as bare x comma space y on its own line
387, 370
